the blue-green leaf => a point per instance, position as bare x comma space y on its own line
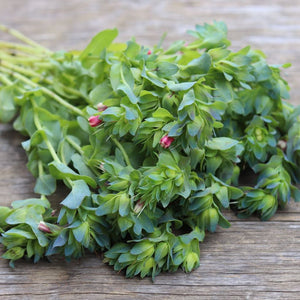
80, 190
177, 87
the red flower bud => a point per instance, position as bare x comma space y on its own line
43, 227
166, 141
149, 52
101, 106
94, 121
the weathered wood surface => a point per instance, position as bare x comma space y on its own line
250, 260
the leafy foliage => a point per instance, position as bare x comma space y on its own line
151, 144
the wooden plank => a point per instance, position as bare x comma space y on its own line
242, 259
250, 260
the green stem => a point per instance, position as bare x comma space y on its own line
288, 106
25, 71
5, 80
41, 173
46, 140
45, 90
22, 59
23, 38
11, 53
61, 100
80, 151
43, 197
43, 65
74, 145
40, 167
122, 150
150, 74
73, 91
19, 47
233, 202
28, 72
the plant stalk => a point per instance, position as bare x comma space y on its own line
126, 158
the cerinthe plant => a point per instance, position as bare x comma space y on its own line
150, 142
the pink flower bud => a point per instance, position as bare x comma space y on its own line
101, 167
282, 145
101, 106
166, 141
94, 121
138, 206
149, 52
43, 227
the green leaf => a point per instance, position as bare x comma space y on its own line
209, 219
166, 69
222, 195
116, 249
213, 163
218, 53
81, 232
61, 171
61, 239
100, 41
115, 75
4, 212
83, 124
152, 79
15, 232
65, 150
197, 155
193, 129
129, 93
176, 46
16, 217
14, 253
80, 190
126, 257
106, 207
237, 107
124, 205
124, 223
32, 201
221, 143
45, 185
101, 92
199, 65
161, 251
195, 234
7, 104
296, 194
37, 138
210, 36
188, 99
162, 113
143, 222
81, 167
141, 247
177, 87
133, 49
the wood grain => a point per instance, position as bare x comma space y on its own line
250, 260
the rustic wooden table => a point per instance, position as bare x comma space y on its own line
252, 259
